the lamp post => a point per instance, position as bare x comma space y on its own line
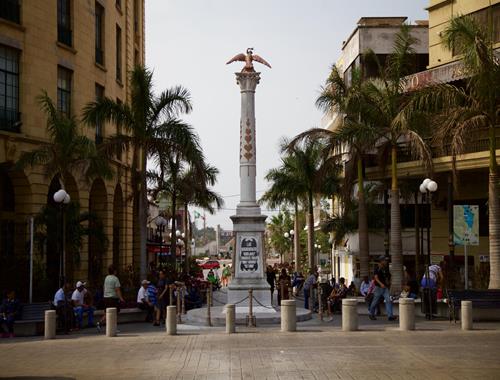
427, 187
62, 198
160, 222
177, 240
289, 235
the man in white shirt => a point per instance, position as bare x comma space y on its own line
143, 301
80, 307
63, 306
365, 285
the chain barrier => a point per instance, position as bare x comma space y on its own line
267, 307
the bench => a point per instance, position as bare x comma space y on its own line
32, 319
481, 299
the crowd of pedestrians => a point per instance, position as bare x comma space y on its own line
73, 303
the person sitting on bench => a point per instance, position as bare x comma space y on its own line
9, 312
80, 307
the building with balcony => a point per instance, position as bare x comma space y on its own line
373, 35
471, 186
77, 51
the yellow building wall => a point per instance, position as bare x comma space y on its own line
40, 55
440, 13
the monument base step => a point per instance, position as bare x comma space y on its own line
263, 315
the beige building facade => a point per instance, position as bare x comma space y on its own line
76, 51
471, 185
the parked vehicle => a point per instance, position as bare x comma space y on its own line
210, 264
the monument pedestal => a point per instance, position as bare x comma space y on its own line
248, 263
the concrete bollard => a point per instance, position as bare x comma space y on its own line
288, 315
230, 318
111, 320
349, 314
171, 321
406, 314
466, 315
50, 324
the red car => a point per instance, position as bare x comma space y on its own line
210, 264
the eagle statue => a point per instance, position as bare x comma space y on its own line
248, 58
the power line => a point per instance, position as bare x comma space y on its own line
237, 195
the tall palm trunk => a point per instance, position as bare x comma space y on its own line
396, 242
143, 218
173, 237
494, 215
362, 224
187, 248
310, 231
296, 237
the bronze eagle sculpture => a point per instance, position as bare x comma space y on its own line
248, 58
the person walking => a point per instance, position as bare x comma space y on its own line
271, 279
382, 278
112, 294
226, 274
309, 285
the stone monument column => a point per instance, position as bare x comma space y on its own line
248, 223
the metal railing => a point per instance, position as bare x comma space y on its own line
479, 142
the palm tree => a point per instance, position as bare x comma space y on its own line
463, 112
278, 226
286, 190
68, 152
347, 102
315, 174
385, 107
188, 186
151, 127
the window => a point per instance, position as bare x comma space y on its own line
64, 90
64, 22
483, 18
118, 53
10, 10
99, 129
136, 17
9, 89
136, 58
99, 33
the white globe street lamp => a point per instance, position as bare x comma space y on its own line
62, 198
427, 187
292, 232
286, 235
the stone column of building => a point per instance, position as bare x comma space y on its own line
248, 223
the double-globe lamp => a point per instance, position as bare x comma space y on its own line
428, 185
61, 196
289, 234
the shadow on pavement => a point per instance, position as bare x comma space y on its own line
37, 378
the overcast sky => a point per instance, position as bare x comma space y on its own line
189, 41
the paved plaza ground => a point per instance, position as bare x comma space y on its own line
319, 350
